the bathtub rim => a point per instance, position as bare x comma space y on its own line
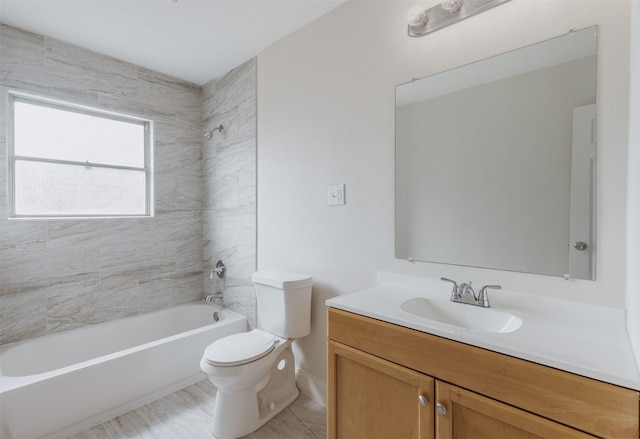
11, 382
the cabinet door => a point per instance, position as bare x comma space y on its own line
464, 414
371, 398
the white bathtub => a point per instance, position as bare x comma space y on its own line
60, 384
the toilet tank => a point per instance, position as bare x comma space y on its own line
283, 302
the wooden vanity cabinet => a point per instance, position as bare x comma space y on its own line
386, 381
374, 398
473, 416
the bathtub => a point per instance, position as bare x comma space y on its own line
61, 384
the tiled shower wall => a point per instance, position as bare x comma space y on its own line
229, 203
60, 274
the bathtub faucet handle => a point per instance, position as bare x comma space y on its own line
220, 269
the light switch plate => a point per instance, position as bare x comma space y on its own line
335, 193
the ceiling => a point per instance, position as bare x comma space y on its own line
194, 40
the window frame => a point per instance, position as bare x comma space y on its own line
32, 99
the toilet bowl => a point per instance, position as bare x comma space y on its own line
254, 372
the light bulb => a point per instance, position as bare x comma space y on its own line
416, 16
451, 5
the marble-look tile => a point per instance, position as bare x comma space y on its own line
167, 92
142, 271
188, 413
247, 119
235, 226
57, 275
164, 157
22, 61
78, 68
234, 173
189, 287
20, 49
239, 124
135, 251
140, 105
236, 86
81, 76
179, 225
228, 120
157, 293
229, 172
165, 193
173, 158
37, 266
189, 191
22, 315
189, 252
225, 193
172, 290
208, 225
241, 299
17, 234
241, 261
74, 233
189, 125
72, 306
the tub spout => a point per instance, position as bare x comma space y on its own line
217, 298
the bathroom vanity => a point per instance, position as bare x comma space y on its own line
392, 373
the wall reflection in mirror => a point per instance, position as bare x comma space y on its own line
496, 161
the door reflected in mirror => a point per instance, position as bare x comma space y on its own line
496, 161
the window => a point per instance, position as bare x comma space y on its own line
71, 161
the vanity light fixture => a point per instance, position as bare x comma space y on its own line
421, 21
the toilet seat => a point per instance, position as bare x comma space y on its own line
242, 348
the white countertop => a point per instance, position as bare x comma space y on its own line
585, 339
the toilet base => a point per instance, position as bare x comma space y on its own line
239, 413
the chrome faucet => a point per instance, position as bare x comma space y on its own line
464, 293
219, 270
217, 298
483, 297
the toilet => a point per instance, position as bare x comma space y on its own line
254, 372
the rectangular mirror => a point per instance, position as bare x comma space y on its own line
496, 161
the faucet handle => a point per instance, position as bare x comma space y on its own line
483, 297
455, 284
454, 292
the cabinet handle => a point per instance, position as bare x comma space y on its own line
423, 401
441, 409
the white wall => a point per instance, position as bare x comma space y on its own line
633, 215
326, 116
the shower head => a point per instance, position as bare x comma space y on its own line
209, 134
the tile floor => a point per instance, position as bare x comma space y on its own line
188, 414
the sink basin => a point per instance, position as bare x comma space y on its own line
462, 315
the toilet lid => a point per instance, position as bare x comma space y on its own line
239, 348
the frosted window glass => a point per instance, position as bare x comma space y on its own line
43, 188
73, 161
53, 133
